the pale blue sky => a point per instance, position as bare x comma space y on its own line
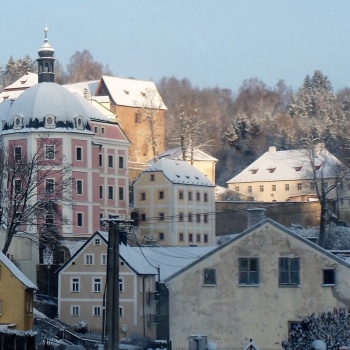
210, 42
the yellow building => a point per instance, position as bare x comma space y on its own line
16, 296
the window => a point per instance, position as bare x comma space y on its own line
325, 185
96, 311
110, 161
137, 118
286, 187
75, 310
75, 285
50, 152
103, 131
190, 196
161, 216
190, 217
205, 197
198, 196
110, 192
181, 194
198, 217
273, 188
205, 218
250, 189
300, 186
101, 192
328, 277
190, 237
143, 196
79, 153
49, 185
18, 186
121, 193
97, 241
152, 177
97, 285
289, 270
103, 259
181, 216
198, 237
261, 187
121, 285
143, 217
181, 237
96, 129
121, 163
209, 277
205, 238
121, 311
80, 219
18, 153
50, 216
79, 187
312, 186
88, 259
100, 159
237, 188
248, 271
161, 195
161, 236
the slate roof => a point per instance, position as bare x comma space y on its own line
17, 272
179, 172
286, 165
131, 92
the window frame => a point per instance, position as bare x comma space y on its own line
120, 162
89, 259
75, 284
79, 154
17, 153
49, 186
79, 185
110, 192
75, 310
325, 279
110, 161
247, 276
97, 285
80, 219
209, 277
121, 193
50, 152
288, 273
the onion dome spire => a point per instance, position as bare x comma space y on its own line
46, 61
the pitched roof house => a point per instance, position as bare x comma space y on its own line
16, 296
176, 204
82, 283
254, 286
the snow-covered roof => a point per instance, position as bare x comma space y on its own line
133, 93
17, 272
147, 259
50, 99
176, 153
180, 172
91, 86
287, 165
15, 89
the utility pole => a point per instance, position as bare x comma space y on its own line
112, 280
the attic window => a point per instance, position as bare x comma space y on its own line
271, 170
18, 122
23, 81
49, 121
127, 91
254, 171
317, 167
79, 121
298, 168
187, 177
178, 176
143, 93
197, 177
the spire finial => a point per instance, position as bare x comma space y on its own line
46, 30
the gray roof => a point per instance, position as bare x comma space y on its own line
287, 165
176, 153
17, 272
180, 172
50, 99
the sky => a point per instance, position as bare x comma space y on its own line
213, 43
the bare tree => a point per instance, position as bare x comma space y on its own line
327, 175
150, 112
331, 327
34, 190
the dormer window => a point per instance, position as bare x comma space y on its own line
50, 121
17, 122
254, 171
79, 122
127, 91
298, 168
317, 167
271, 170
143, 94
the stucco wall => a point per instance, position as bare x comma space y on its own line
230, 314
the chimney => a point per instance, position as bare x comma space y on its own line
87, 94
255, 215
272, 149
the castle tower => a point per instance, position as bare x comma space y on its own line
46, 62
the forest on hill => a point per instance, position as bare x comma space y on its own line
234, 127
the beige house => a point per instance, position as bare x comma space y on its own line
175, 203
203, 161
253, 287
81, 287
288, 176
